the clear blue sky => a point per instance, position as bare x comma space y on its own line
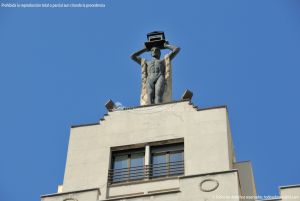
60, 66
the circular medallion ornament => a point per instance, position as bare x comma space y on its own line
208, 185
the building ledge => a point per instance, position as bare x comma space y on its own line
150, 193
172, 102
81, 125
290, 186
151, 105
143, 181
70, 192
210, 173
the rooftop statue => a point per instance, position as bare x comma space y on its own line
156, 73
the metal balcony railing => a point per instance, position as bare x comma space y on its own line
146, 172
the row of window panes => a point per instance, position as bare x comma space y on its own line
167, 164
130, 166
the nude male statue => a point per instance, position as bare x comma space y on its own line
155, 82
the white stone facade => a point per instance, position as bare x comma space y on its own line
210, 171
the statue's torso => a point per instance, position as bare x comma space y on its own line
155, 68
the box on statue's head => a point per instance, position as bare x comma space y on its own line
156, 36
155, 39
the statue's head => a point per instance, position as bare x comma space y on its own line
155, 52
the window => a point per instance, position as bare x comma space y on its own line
162, 161
127, 166
167, 160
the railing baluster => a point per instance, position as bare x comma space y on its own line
145, 172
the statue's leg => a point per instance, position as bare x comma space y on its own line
159, 89
150, 91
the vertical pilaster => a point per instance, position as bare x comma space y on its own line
147, 161
147, 155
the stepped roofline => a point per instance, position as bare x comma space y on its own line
152, 105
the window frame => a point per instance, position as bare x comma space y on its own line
167, 150
147, 151
127, 175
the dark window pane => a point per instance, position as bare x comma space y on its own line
137, 159
166, 148
159, 165
176, 157
159, 158
137, 166
176, 163
120, 166
121, 162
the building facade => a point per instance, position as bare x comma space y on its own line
165, 152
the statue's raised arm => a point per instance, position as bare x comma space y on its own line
173, 48
136, 55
